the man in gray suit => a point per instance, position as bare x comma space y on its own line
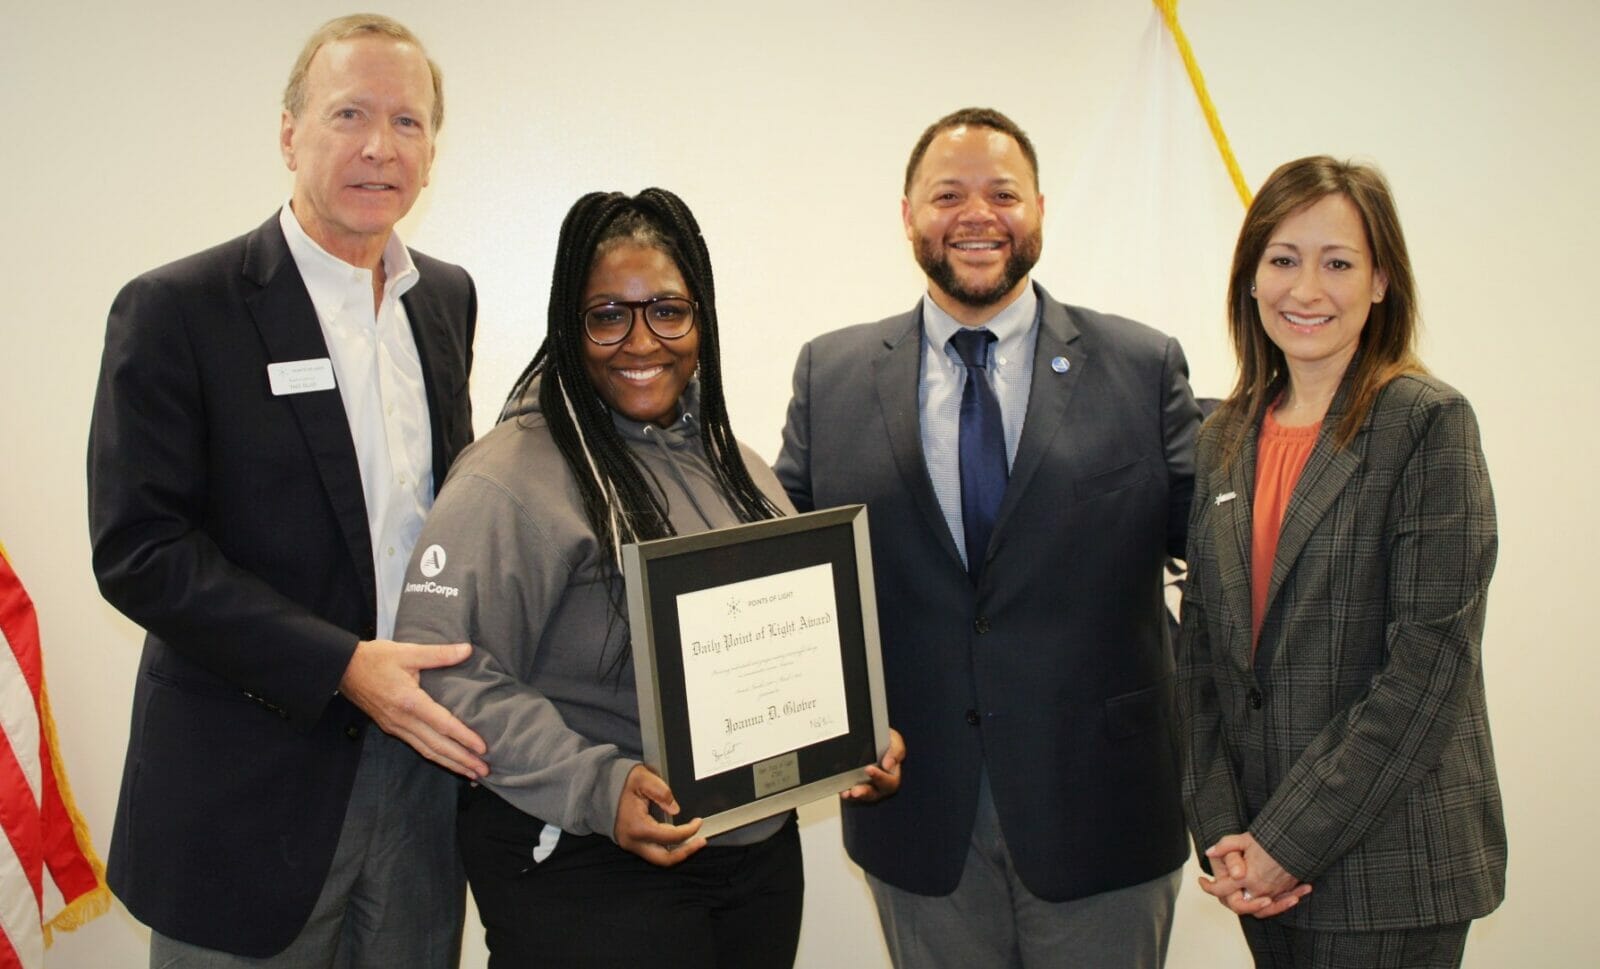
1028, 468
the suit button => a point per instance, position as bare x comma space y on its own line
972, 717
1254, 696
981, 625
353, 731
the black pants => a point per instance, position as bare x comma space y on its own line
591, 904
1278, 946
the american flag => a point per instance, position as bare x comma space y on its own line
44, 831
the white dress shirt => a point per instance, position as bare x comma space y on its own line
379, 377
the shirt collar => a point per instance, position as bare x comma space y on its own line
330, 280
1010, 326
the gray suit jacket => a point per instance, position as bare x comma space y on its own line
1356, 747
1054, 673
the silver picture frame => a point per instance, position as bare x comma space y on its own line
658, 572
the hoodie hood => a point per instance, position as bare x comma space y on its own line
684, 430
675, 450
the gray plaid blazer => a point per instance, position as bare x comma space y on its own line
1356, 747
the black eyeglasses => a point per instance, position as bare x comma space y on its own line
668, 317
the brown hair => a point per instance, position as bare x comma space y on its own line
1387, 347
344, 28
972, 118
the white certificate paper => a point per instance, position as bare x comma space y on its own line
761, 668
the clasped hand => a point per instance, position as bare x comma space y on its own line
1248, 881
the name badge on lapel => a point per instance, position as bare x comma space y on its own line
300, 376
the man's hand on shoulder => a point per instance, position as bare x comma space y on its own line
383, 680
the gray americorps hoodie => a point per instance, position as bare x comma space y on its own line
507, 562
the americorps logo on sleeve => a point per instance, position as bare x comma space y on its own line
431, 564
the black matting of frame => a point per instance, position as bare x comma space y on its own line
672, 576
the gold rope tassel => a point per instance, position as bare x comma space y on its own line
1169, 13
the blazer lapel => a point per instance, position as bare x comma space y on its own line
287, 321
1049, 396
429, 334
1323, 480
1231, 525
897, 371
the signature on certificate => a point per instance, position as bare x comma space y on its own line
723, 754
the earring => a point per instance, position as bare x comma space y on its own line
1252, 289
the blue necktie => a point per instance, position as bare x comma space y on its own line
983, 448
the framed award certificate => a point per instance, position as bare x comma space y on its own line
759, 674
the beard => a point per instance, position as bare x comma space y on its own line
934, 260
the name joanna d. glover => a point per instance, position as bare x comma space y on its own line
773, 712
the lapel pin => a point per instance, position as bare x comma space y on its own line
1060, 364
1227, 497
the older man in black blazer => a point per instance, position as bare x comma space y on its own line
272, 418
1019, 569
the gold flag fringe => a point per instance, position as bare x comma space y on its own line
96, 902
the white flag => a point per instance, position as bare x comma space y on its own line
1150, 215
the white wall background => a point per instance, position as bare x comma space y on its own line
137, 133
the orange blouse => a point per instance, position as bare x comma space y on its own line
1281, 454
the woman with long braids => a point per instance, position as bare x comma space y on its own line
607, 437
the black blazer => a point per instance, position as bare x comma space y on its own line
1055, 672
231, 525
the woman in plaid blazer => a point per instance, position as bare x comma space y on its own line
1337, 769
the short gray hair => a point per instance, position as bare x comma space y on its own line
344, 28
